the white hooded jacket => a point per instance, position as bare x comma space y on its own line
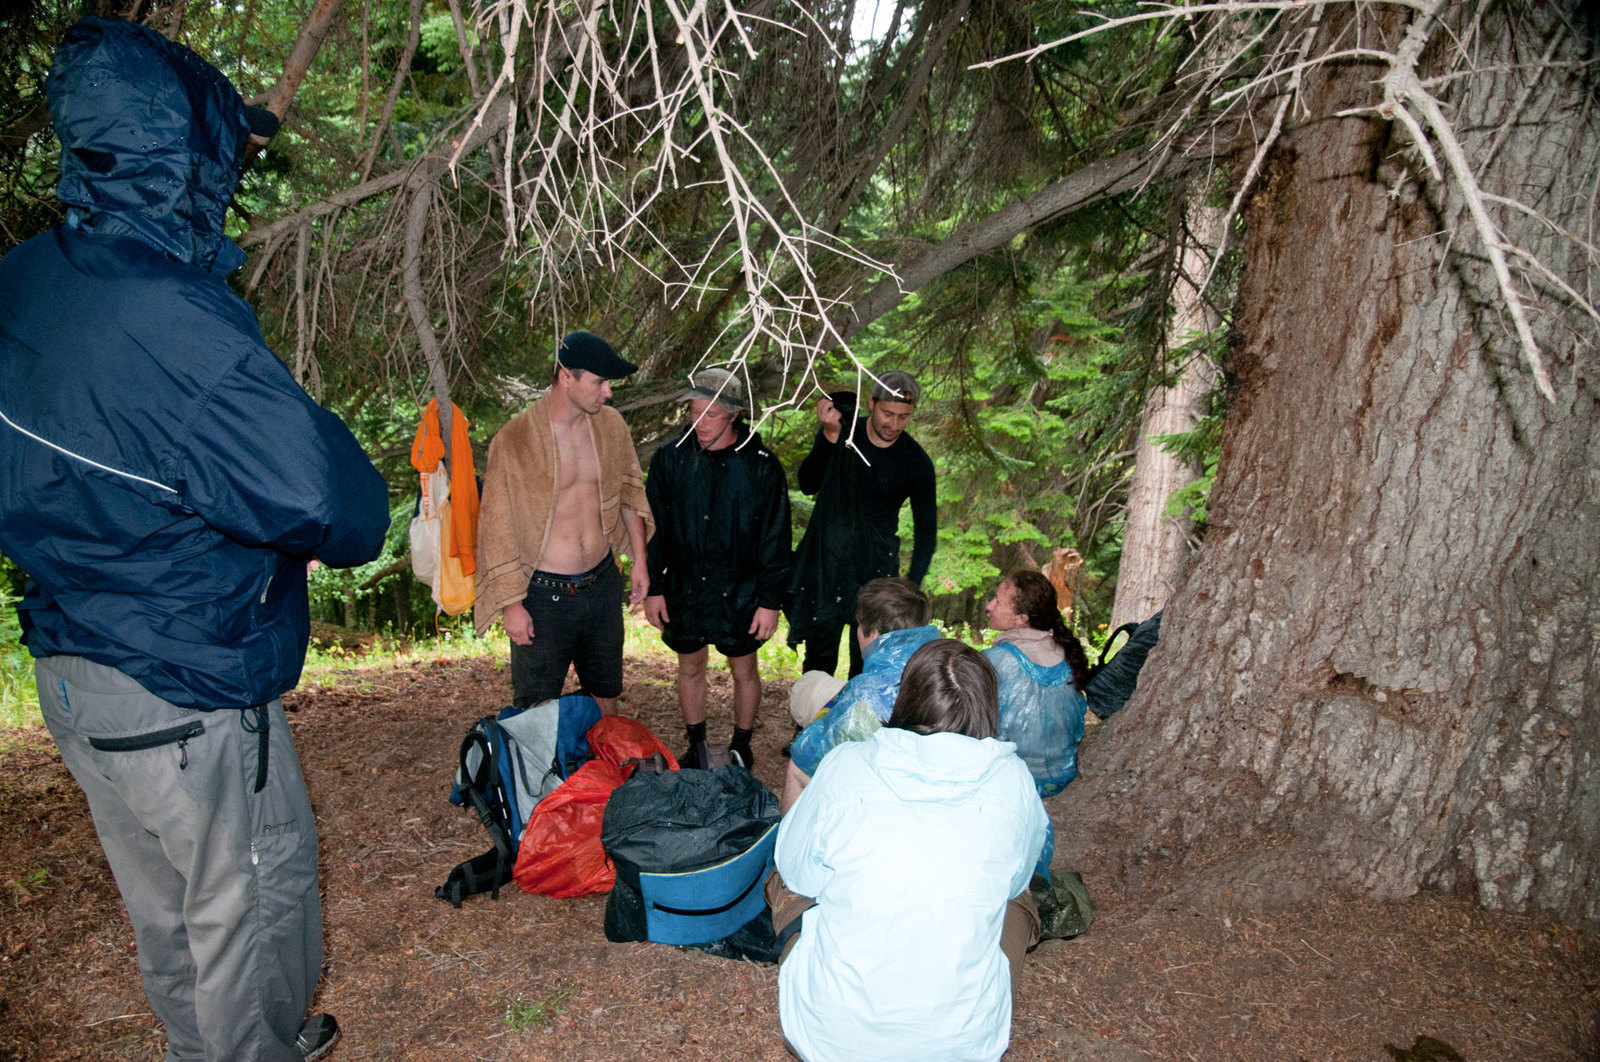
911, 845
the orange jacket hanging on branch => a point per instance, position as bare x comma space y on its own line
444, 533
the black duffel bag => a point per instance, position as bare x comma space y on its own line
672, 822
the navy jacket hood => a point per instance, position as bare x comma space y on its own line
152, 138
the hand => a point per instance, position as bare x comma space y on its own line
655, 610
639, 581
519, 625
831, 419
765, 622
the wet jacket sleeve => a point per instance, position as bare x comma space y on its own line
772, 588
924, 521
832, 726
268, 467
658, 489
809, 475
799, 855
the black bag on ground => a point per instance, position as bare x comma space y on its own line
1111, 682
676, 821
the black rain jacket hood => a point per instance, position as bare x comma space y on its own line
152, 138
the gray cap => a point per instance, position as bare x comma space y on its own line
897, 386
717, 385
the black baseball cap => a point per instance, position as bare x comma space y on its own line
587, 351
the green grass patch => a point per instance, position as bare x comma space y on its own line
532, 1014
334, 665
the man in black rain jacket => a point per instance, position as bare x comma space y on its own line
719, 560
164, 482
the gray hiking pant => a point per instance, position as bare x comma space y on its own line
220, 881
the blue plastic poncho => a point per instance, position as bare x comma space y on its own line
864, 704
1041, 712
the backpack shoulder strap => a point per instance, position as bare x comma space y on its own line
484, 790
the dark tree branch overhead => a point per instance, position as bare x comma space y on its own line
313, 30
428, 167
1092, 184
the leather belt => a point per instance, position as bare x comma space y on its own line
568, 584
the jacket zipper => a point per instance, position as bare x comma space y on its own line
179, 735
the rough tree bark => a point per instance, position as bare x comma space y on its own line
1381, 673
1155, 546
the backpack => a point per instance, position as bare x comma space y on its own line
1111, 682
508, 763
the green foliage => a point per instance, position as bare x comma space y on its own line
1201, 447
336, 589
453, 640
437, 44
533, 1014
29, 30
19, 697
1035, 367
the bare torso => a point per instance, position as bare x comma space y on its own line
575, 543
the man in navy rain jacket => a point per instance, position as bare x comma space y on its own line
164, 482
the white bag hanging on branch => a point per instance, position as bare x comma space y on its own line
426, 537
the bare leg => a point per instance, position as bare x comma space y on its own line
607, 705
786, 907
794, 780
692, 685
1019, 932
746, 690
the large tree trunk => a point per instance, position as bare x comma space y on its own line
1155, 544
1381, 672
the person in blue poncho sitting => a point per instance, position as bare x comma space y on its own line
917, 845
892, 622
1042, 670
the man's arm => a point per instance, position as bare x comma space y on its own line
268, 467
656, 489
638, 574
809, 475
776, 530
794, 780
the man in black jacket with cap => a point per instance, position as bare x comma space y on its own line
863, 471
719, 560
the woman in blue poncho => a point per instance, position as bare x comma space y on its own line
1042, 670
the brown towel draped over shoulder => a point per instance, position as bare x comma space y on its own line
519, 495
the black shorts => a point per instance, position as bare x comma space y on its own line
731, 645
577, 622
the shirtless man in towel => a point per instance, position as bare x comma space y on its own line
562, 496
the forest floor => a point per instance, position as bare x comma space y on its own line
530, 977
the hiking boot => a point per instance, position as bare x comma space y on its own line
317, 1036
787, 745
695, 758
742, 755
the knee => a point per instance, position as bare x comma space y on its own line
692, 666
745, 670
